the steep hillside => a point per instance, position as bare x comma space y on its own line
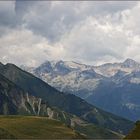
13, 100
135, 133
68, 103
28, 127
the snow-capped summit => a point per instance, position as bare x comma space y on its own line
60, 67
110, 69
129, 63
128, 60
73, 76
70, 64
44, 68
68, 76
77, 78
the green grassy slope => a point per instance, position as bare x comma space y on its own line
93, 132
135, 133
29, 127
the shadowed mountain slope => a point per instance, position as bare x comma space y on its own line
14, 100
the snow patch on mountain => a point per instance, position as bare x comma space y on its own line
76, 78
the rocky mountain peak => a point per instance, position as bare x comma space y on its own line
45, 67
130, 63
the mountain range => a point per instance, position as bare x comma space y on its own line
24, 94
113, 87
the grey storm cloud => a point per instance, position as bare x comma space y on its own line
53, 19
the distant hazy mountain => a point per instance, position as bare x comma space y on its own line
113, 87
68, 103
110, 69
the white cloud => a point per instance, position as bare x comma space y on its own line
93, 42
89, 32
53, 19
23, 47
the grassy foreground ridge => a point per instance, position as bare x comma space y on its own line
29, 127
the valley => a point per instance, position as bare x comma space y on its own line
24, 94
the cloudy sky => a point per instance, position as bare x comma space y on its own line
88, 32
